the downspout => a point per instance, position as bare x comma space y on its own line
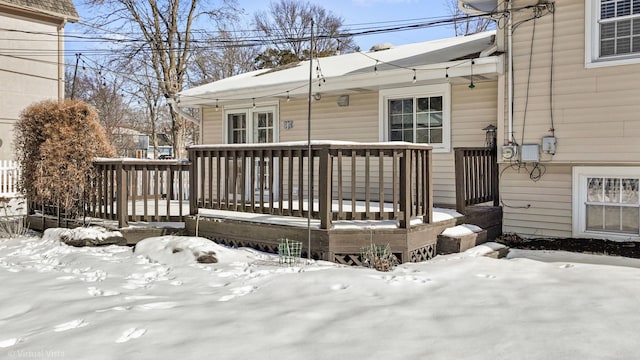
61, 60
172, 102
510, 71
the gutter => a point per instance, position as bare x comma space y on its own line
341, 84
174, 105
510, 71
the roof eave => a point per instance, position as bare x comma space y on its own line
433, 73
40, 12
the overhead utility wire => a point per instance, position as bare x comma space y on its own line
248, 42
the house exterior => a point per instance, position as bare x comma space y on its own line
32, 67
132, 143
570, 150
415, 93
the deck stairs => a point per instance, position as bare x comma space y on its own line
463, 237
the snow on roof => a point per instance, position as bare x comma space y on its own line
348, 70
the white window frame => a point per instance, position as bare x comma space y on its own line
227, 140
592, 41
579, 196
249, 112
443, 90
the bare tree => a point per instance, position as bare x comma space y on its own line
286, 26
226, 55
463, 24
105, 95
165, 28
150, 113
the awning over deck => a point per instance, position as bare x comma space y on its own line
431, 61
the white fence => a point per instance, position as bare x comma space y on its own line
9, 178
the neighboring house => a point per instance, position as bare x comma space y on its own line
32, 58
416, 93
132, 143
575, 118
165, 148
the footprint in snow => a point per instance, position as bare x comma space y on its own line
93, 291
218, 285
94, 276
157, 306
486, 276
115, 308
129, 334
140, 297
337, 287
10, 342
566, 266
74, 324
69, 277
239, 291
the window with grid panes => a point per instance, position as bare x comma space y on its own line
237, 126
613, 31
416, 119
619, 27
607, 202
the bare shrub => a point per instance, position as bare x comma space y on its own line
55, 144
378, 257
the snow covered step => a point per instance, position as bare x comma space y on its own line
460, 238
498, 253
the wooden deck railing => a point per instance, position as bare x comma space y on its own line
476, 177
139, 190
349, 181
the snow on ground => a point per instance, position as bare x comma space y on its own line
110, 303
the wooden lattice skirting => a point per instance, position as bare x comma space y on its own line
423, 253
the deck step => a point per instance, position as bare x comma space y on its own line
498, 253
460, 238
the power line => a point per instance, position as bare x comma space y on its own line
251, 41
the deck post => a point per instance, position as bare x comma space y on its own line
122, 185
428, 217
460, 180
193, 183
324, 196
495, 188
405, 189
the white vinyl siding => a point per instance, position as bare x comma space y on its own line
595, 112
26, 79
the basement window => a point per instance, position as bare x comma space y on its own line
607, 202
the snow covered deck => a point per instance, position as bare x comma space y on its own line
258, 194
342, 242
438, 215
